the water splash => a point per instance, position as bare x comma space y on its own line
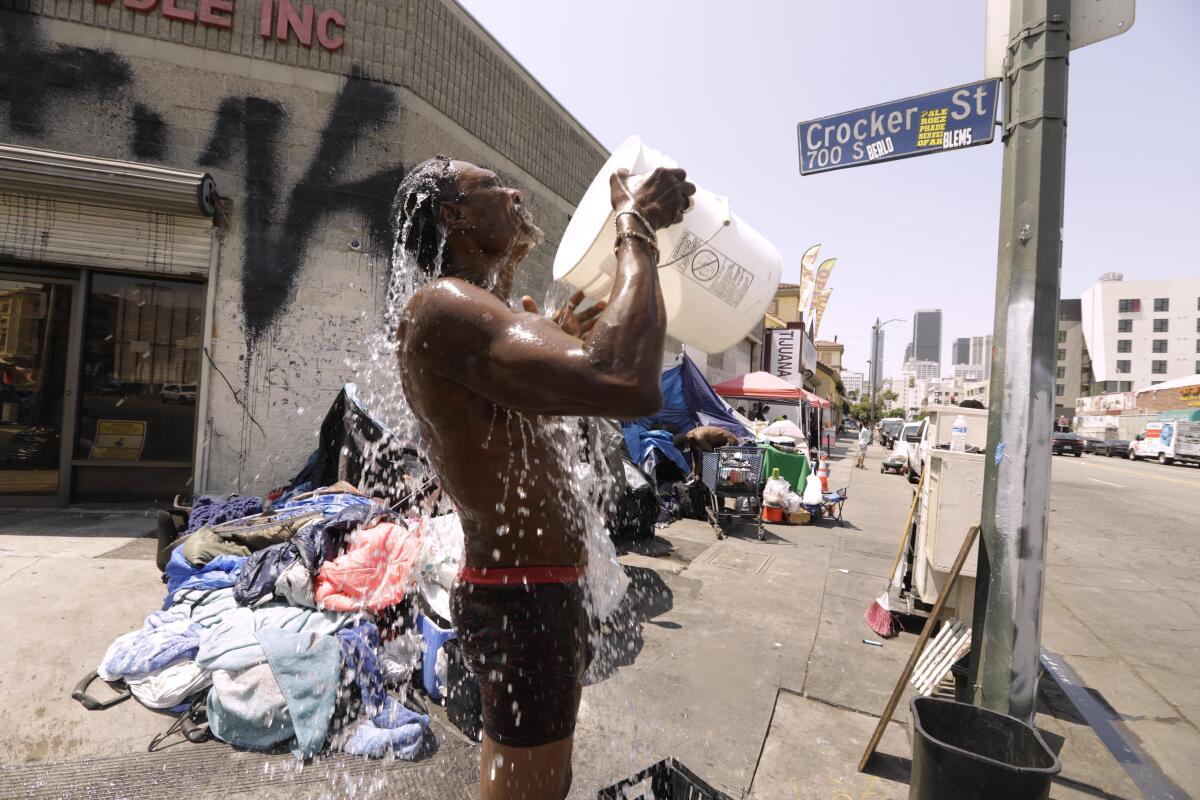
575, 446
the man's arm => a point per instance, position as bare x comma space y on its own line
526, 362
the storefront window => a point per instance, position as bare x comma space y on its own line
139, 381
34, 326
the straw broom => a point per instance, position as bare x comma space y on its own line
879, 614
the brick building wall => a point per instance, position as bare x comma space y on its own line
308, 146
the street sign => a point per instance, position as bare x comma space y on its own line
1090, 21
963, 116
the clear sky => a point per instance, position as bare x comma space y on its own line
720, 87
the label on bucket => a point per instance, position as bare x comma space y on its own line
712, 269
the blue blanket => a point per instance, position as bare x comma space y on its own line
220, 573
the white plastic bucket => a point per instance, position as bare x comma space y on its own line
718, 274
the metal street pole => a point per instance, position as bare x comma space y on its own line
1012, 552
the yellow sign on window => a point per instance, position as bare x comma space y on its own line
119, 440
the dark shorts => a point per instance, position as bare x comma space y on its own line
527, 646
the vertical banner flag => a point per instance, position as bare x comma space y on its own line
822, 302
821, 278
806, 277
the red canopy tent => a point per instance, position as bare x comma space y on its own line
765, 386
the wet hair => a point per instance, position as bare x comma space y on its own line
680, 441
418, 210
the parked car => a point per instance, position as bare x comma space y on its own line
912, 442
1113, 447
1095, 446
179, 393
889, 429
1067, 444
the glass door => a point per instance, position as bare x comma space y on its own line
36, 387
139, 380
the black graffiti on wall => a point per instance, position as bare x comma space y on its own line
38, 77
35, 75
278, 234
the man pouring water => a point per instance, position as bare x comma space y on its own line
481, 378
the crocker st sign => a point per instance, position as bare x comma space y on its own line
963, 116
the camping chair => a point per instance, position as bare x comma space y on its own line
832, 503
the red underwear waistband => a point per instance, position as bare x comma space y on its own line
519, 576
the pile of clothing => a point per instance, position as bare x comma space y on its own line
294, 625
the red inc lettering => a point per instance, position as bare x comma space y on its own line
279, 19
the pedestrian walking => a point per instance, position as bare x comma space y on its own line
864, 442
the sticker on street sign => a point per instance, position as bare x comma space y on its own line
951, 119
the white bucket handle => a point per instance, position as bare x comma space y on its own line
726, 219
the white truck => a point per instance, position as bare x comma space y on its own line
1168, 441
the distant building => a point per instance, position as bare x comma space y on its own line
927, 336
876, 365
916, 380
981, 354
968, 372
1140, 333
976, 390
960, 352
1073, 368
830, 353
916, 368
853, 381
908, 353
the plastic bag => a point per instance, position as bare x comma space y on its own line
813, 495
793, 503
776, 491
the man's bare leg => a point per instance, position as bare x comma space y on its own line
525, 773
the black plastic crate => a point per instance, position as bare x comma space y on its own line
666, 780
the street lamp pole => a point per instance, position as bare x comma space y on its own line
874, 362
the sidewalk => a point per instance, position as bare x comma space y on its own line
750, 667
742, 658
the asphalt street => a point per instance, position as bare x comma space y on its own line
1123, 597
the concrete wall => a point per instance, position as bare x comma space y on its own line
308, 146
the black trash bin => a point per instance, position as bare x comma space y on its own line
963, 752
666, 780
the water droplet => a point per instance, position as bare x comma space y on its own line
496, 554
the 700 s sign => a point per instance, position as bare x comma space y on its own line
929, 123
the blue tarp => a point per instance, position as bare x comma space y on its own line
688, 402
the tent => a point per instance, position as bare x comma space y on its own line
765, 386
688, 402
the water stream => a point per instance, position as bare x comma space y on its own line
576, 444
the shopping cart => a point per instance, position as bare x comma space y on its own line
733, 476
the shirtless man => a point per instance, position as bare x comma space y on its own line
701, 440
478, 375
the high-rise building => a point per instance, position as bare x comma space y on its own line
1139, 333
1072, 366
875, 378
908, 353
960, 352
853, 382
927, 336
981, 354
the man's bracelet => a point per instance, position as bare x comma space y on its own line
650, 243
638, 216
